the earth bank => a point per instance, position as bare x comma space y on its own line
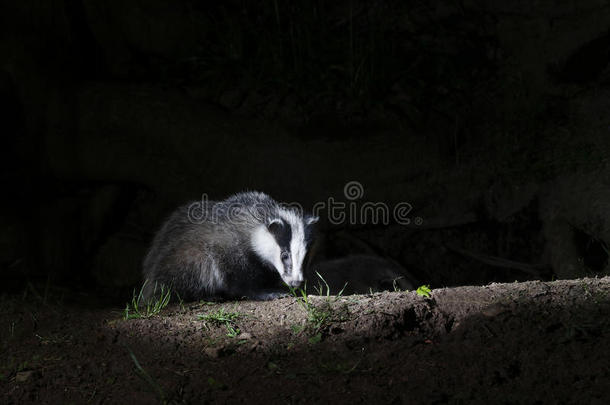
532, 342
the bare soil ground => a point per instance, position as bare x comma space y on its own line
531, 342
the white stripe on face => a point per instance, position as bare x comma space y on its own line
297, 245
266, 247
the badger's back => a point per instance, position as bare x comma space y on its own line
203, 249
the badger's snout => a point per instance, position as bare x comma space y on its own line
296, 282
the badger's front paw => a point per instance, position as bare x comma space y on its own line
268, 296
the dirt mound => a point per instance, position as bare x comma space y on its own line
530, 342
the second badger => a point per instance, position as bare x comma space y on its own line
239, 247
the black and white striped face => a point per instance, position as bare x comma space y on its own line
283, 242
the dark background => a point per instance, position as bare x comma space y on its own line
489, 118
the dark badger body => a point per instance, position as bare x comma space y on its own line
359, 274
245, 246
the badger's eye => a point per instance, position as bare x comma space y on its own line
284, 256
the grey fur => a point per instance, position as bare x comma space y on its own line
204, 250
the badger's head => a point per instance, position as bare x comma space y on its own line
282, 242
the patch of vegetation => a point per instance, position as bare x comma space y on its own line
597, 295
318, 316
222, 317
141, 308
424, 291
395, 284
324, 290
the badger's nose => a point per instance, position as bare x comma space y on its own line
296, 283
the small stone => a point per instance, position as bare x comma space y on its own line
213, 352
244, 336
23, 376
493, 310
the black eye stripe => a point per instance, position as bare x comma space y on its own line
282, 234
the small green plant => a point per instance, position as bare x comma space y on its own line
141, 308
424, 291
180, 302
317, 316
222, 317
395, 284
232, 331
322, 292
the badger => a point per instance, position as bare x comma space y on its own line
358, 274
243, 247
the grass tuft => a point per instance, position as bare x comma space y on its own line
222, 317
142, 308
318, 316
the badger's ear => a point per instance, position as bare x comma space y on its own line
274, 225
311, 219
